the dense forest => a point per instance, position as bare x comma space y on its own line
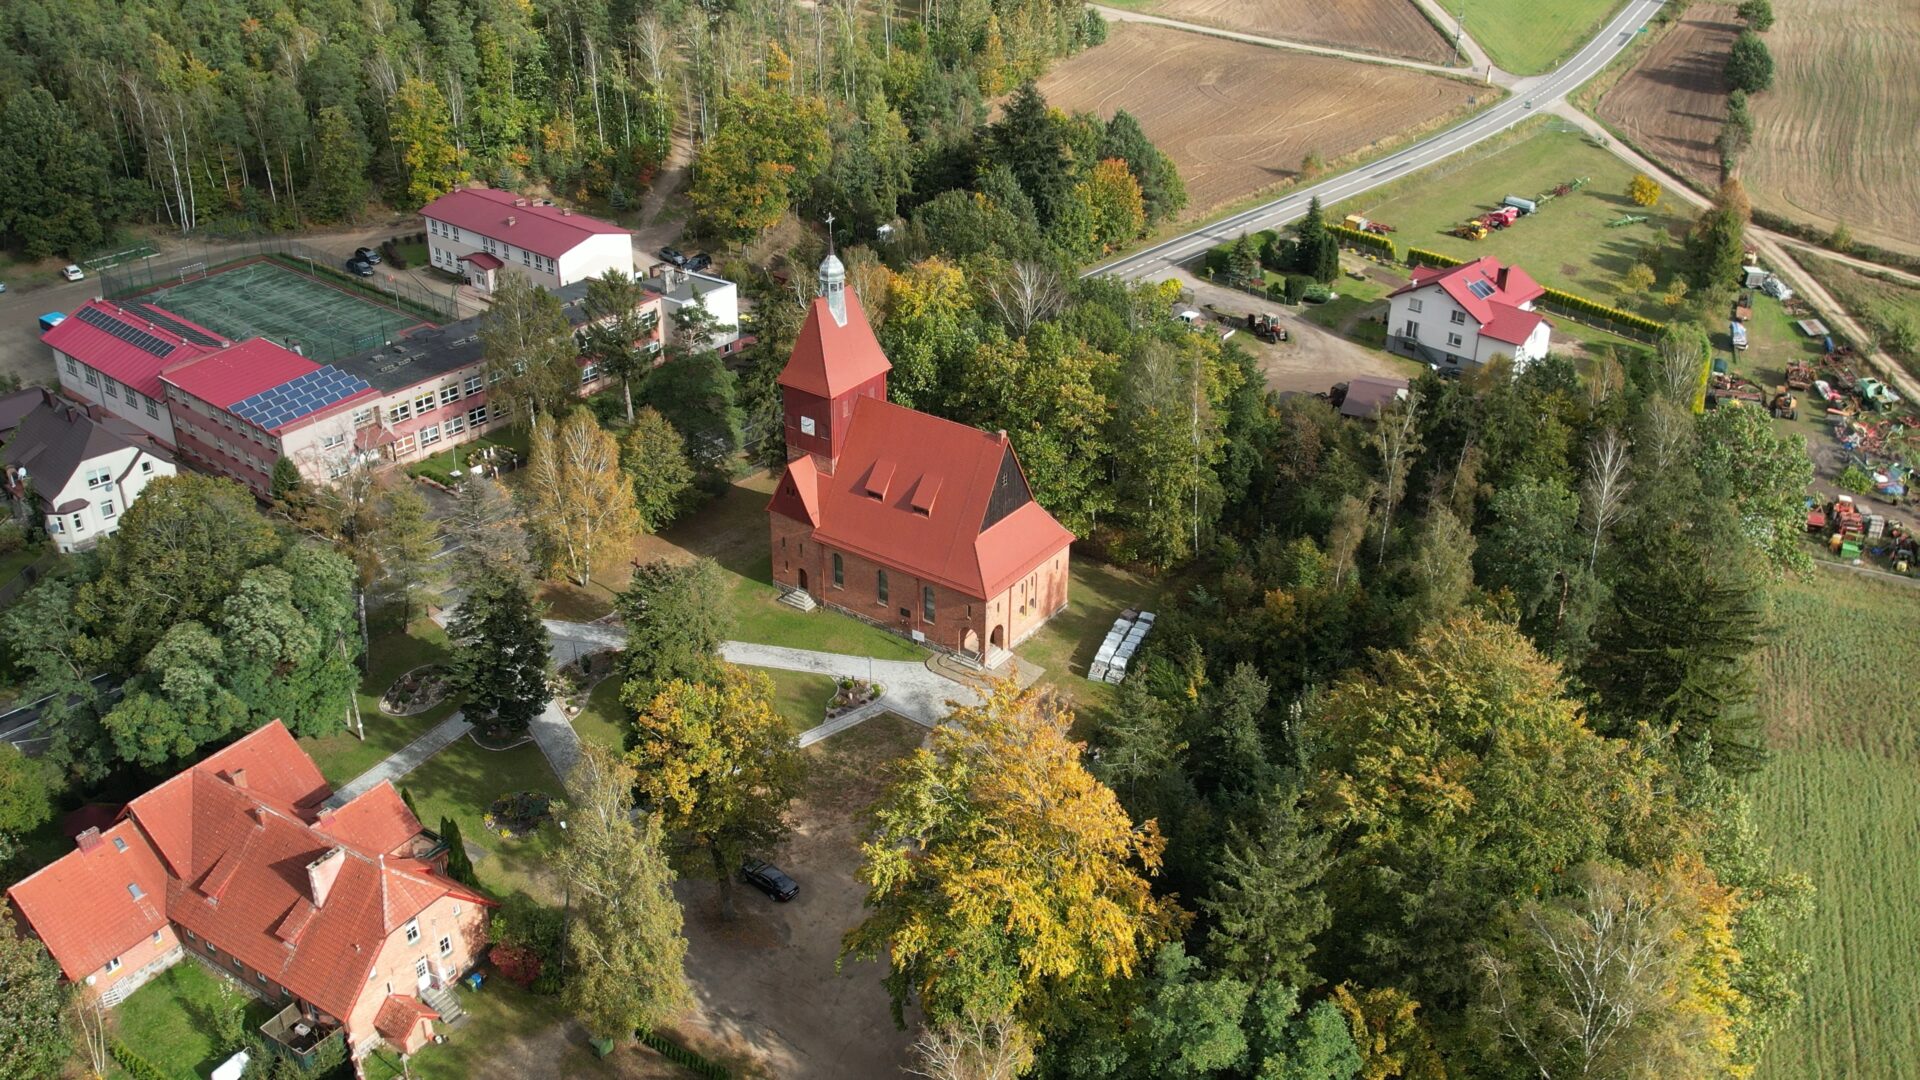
230, 117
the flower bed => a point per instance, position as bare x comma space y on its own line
576, 678
417, 691
851, 694
518, 813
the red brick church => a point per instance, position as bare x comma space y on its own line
917, 524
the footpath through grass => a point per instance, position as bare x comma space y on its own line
1841, 803
343, 756
1567, 245
1527, 37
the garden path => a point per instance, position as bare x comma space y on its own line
404, 760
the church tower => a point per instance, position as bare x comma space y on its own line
836, 360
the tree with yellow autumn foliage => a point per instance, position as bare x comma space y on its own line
1001, 875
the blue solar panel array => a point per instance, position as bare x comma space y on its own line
296, 398
127, 332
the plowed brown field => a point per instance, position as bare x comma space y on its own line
1388, 27
1674, 101
1835, 138
1239, 119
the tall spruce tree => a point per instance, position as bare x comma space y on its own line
500, 652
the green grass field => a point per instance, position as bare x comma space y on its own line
169, 1021
1527, 37
1566, 245
1882, 304
1841, 803
460, 782
343, 756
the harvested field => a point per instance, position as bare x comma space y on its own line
1239, 119
1834, 138
1387, 27
1674, 101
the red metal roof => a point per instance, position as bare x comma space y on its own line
546, 230
240, 371
919, 453
224, 849
119, 359
829, 359
1511, 324
483, 260
1508, 285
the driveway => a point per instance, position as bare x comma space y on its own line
1313, 360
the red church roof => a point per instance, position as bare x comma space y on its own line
502, 215
940, 500
222, 849
830, 359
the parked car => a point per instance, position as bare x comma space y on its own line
73, 273
673, 256
3, 286
769, 879
367, 255
700, 262
360, 267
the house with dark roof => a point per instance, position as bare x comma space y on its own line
77, 473
1463, 316
344, 917
914, 523
477, 232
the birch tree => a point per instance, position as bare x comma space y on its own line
530, 355
581, 503
1396, 438
1604, 492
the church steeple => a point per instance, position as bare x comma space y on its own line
833, 280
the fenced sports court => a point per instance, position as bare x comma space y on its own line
266, 299
281, 290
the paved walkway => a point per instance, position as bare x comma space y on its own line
908, 687
404, 760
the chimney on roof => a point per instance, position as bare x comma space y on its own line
1002, 433
88, 840
238, 778
322, 872
510, 220
564, 212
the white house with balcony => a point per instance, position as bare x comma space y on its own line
76, 472
1461, 317
477, 233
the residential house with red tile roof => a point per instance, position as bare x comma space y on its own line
477, 232
344, 916
1463, 316
914, 523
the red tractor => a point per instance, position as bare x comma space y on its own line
1501, 218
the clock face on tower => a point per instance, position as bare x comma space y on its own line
806, 425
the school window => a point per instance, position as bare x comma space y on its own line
588, 374
413, 932
1414, 306
425, 403
133, 396
880, 586
113, 965
456, 424
363, 417
403, 447
338, 469
153, 409
72, 368
212, 949
926, 602
1459, 317
477, 416
526, 258
495, 377
399, 412
446, 945
328, 442
113, 388
839, 572
107, 510
449, 394
475, 383
1453, 339
93, 379
430, 435
261, 977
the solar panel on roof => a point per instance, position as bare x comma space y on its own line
298, 397
126, 331
198, 337
1480, 289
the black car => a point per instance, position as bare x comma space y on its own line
359, 266
699, 262
367, 255
769, 879
673, 256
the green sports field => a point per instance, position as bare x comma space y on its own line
265, 299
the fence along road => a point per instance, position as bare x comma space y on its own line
1529, 96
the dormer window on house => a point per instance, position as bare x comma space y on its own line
923, 495
878, 478
133, 890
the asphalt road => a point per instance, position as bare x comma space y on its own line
1530, 96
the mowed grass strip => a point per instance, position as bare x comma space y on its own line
1840, 802
1527, 37
1567, 245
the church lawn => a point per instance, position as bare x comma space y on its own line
343, 756
1065, 646
732, 530
170, 1021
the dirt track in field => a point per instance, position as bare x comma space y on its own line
1387, 27
1835, 137
1239, 119
1674, 101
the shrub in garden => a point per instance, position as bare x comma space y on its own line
517, 964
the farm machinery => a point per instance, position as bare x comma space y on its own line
1784, 406
1725, 388
1557, 190
1470, 230
1630, 219
1360, 224
1799, 375
1266, 327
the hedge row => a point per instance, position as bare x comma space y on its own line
1423, 257
136, 1066
684, 1057
1366, 241
1870, 252
1580, 305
